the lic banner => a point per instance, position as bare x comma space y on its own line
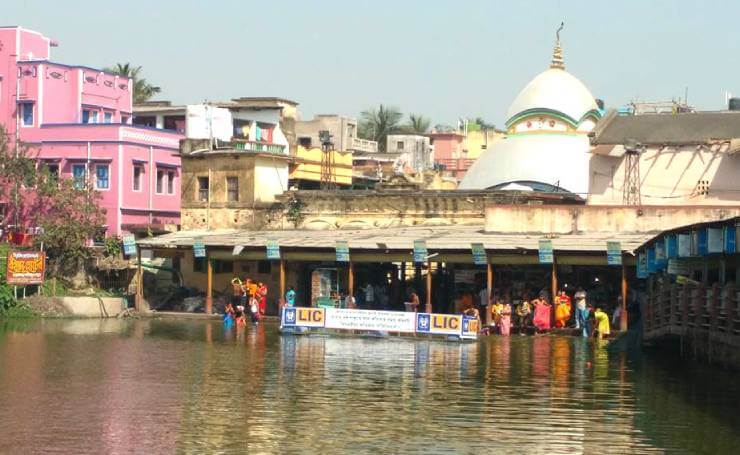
383, 321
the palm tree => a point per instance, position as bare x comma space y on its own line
418, 124
480, 121
376, 125
143, 91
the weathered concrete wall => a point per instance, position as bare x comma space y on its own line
260, 179
560, 219
373, 209
93, 307
686, 175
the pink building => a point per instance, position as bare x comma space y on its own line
449, 152
78, 120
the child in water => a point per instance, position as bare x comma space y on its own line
254, 310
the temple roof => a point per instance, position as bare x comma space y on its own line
554, 90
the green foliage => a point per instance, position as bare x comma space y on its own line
417, 124
71, 217
143, 91
9, 306
112, 246
481, 123
295, 211
376, 125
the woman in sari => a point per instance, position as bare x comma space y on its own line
562, 310
541, 314
497, 310
505, 320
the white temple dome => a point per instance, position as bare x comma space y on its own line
553, 90
547, 146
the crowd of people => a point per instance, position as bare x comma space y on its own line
498, 315
249, 297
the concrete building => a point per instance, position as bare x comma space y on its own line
684, 159
77, 120
414, 152
306, 170
342, 129
229, 186
258, 120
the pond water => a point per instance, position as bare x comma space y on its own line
164, 386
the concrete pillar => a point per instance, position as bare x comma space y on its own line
139, 299
351, 279
428, 306
554, 284
209, 286
282, 283
623, 317
489, 287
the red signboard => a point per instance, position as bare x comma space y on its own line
25, 267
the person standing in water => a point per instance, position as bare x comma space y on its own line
505, 320
290, 297
602, 323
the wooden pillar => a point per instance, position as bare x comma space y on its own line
623, 316
138, 300
209, 285
489, 287
351, 279
428, 305
282, 283
554, 283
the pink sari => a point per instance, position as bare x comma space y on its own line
505, 321
542, 316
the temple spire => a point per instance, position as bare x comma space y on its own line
557, 53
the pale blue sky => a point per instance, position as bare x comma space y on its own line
443, 59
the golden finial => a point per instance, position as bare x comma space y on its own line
557, 53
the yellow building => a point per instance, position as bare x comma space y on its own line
478, 141
307, 166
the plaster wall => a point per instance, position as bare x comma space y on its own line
671, 176
563, 219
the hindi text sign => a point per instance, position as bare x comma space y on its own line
26, 267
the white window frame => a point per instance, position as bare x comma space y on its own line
97, 166
84, 175
22, 109
133, 178
107, 117
171, 175
160, 189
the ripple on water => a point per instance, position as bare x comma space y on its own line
163, 386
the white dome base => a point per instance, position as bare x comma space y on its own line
560, 160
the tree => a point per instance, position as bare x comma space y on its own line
376, 125
71, 216
143, 91
417, 124
480, 121
68, 214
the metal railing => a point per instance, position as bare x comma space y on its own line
681, 309
364, 145
261, 147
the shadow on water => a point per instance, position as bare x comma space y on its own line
191, 386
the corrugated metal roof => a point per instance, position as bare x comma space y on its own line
689, 128
458, 237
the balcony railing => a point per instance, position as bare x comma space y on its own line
456, 164
260, 147
364, 145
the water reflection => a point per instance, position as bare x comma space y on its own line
190, 386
